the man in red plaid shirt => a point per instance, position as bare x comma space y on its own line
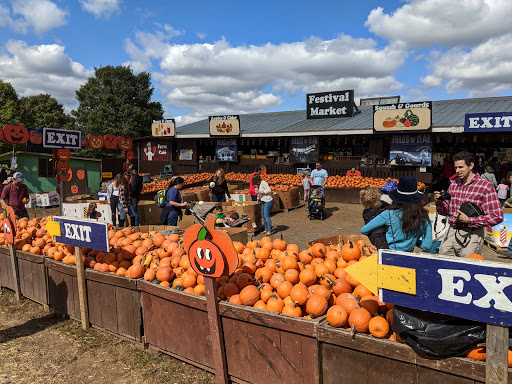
467, 237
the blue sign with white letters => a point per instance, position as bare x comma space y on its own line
488, 122
467, 288
85, 233
61, 138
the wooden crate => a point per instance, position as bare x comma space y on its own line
176, 323
365, 359
6, 277
265, 347
340, 239
32, 273
62, 288
114, 304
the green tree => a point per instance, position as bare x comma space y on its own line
9, 109
42, 111
118, 102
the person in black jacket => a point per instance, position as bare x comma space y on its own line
135, 189
219, 187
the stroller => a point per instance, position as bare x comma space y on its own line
316, 203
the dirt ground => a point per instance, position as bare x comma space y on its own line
40, 347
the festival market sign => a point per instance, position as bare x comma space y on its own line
330, 104
227, 150
163, 128
81, 233
466, 288
227, 125
402, 117
488, 122
411, 149
304, 149
155, 150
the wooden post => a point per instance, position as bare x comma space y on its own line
15, 272
496, 366
217, 339
61, 196
82, 290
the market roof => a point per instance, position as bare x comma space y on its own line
447, 116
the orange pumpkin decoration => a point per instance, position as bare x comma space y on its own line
378, 327
359, 319
337, 316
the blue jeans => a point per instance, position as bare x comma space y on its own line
266, 207
254, 197
509, 249
134, 216
21, 214
218, 199
172, 218
122, 213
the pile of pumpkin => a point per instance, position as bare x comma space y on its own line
282, 187
360, 182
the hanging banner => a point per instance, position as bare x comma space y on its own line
304, 150
165, 128
402, 117
411, 149
225, 125
227, 150
488, 122
330, 104
155, 150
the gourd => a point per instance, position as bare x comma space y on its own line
414, 119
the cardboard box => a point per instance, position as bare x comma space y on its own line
251, 208
203, 194
188, 196
236, 234
32, 201
157, 228
240, 197
289, 199
74, 209
277, 204
340, 239
149, 212
47, 199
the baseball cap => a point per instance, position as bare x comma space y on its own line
18, 176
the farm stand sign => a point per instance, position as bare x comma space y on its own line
330, 104
402, 117
224, 125
165, 128
60, 138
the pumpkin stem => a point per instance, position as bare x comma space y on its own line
202, 234
353, 331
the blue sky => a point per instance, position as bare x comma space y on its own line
209, 58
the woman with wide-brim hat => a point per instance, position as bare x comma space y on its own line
406, 220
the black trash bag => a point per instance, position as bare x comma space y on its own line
434, 335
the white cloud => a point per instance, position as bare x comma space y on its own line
41, 15
220, 78
201, 35
42, 69
445, 22
486, 70
101, 8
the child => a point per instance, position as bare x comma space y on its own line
231, 219
306, 183
220, 215
91, 211
315, 199
503, 191
372, 203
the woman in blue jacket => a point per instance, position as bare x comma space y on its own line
406, 220
173, 209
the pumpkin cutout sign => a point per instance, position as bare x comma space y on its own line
211, 252
35, 137
110, 141
95, 142
124, 143
9, 231
15, 133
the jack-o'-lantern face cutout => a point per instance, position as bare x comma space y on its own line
66, 175
110, 141
63, 154
15, 133
62, 165
124, 143
95, 142
35, 137
9, 231
129, 155
211, 252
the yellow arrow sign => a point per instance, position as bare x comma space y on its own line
53, 227
374, 276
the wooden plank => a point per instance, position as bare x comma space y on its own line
391, 349
108, 307
199, 319
382, 370
265, 349
237, 348
61, 267
128, 312
172, 295
334, 358
173, 329
427, 375
216, 336
108, 278
152, 308
268, 319
311, 360
497, 354
94, 303
292, 357
82, 289
58, 291
15, 272
39, 259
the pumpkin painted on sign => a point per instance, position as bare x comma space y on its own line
83, 142
74, 189
124, 143
211, 252
63, 154
15, 133
110, 141
66, 175
95, 142
62, 165
80, 174
129, 155
35, 137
